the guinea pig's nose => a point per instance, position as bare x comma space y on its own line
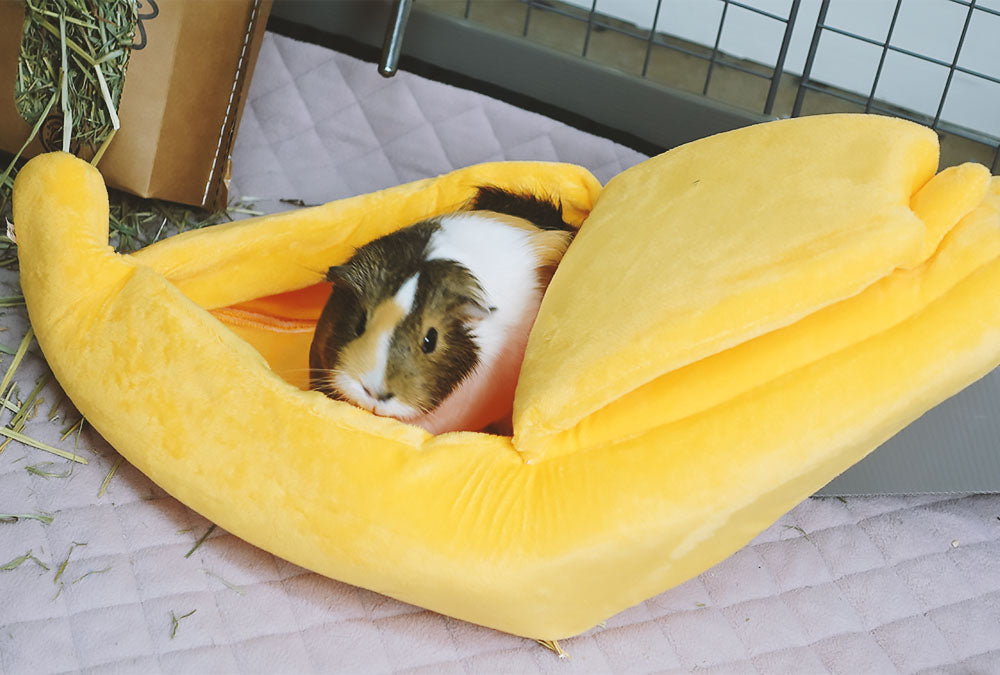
381, 397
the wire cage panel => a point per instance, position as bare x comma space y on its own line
936, 62
926, 95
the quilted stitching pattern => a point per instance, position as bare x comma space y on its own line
876, 584
319, 127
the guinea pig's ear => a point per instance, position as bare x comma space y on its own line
471, 310
341, 276
336, 273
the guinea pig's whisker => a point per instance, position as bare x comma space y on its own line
318, 272
312, 371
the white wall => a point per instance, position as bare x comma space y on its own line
930, 27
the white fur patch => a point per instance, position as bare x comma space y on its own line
407, 294
353, 390
396, 408
374, 379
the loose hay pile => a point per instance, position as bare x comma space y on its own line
76, 53
93, 41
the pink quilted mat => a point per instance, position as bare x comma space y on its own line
876, 584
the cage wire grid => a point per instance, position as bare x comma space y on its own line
870, 102
658, 36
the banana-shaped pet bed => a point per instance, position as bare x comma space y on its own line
738, 321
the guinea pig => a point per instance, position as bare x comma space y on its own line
429, 324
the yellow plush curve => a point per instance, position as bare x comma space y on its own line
636, 462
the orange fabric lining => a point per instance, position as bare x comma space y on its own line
304, 303
280, 327
236, 316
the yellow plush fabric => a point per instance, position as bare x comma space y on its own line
738, 321
727, 239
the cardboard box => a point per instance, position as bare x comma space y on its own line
184, 92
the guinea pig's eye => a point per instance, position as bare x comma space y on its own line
360, 328
430, 341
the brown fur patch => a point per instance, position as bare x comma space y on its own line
411, 373
424, 380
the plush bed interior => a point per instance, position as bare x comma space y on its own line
873, 584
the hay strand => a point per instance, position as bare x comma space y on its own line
18, 355
17, 422
106, 95
27, 440
5, 402
16, 562
71, 428
62, 566
104, 146
42, 517
231, 586
175, 622
92, 572
12, 301
200, 541
67, 130
37, 470
54, 410
26, 410
6, 180
107, 479
553, 646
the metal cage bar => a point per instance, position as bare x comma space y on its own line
758, 10
392, 46
590, 26
652, 36
715, 47
885, 52
810, 58
954, 63
779, 66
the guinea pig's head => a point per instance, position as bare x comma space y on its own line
398, 333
